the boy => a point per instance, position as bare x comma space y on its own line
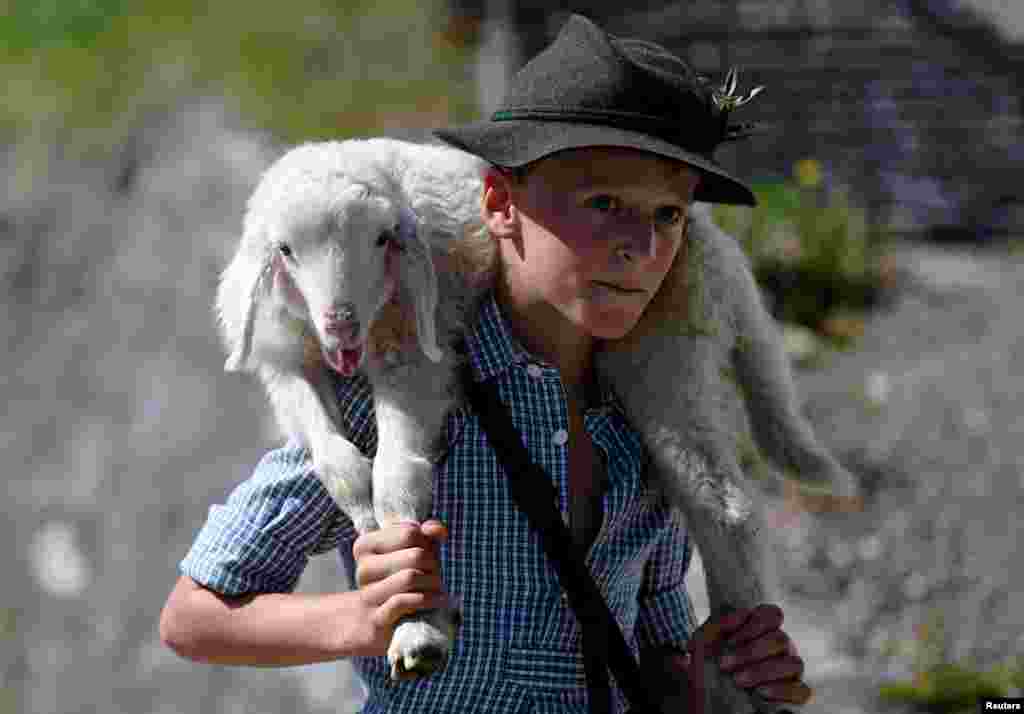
596, 155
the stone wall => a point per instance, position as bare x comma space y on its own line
914, 105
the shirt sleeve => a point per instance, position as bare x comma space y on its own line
666, 616
261, 538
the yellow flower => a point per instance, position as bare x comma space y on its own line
808, 173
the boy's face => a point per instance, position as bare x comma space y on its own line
592, 233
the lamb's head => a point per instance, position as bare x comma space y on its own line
339, 255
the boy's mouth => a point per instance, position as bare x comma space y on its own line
617, 289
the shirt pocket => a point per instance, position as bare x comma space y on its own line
545, 669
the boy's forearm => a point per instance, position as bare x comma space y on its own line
266, 630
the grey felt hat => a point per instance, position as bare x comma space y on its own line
590, 88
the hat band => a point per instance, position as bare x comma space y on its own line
701, 140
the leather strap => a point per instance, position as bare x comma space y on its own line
603, 643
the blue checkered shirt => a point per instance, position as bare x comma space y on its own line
518, 649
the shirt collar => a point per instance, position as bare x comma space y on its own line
493, 349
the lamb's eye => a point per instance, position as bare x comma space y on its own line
286, 250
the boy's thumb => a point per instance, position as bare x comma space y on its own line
433, 528
706, 639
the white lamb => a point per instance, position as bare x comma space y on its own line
370, 255
337, 270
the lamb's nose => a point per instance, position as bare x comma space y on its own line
341, 322
343, 313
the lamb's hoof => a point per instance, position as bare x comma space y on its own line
421, 663
420, 644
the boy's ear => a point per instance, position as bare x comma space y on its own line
498, 208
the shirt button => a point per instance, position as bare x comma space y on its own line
560, 437
533, 370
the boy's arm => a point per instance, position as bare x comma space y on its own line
398, 570
666, 618
234, 602
264, 630
249, 555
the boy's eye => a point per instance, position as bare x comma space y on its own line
605, 204
668, 215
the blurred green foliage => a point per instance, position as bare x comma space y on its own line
949, 689
8, 622
811, 247
796, 227
943, 687
81, 73
8, 700
8, 630
55, 23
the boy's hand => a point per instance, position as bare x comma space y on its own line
763, 656
398, 572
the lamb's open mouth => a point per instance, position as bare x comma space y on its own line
344, 361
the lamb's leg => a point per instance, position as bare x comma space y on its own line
403, 471
412, 402
667, 385
305, 405
764, 376
779, 428
724, 525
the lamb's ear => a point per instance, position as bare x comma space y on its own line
418, 278
261, 282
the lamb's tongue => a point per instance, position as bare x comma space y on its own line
343, 361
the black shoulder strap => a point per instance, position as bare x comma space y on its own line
534, 494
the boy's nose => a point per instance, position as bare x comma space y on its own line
636, 243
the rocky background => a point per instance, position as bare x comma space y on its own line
120, 429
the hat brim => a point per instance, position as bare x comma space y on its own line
515, 143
